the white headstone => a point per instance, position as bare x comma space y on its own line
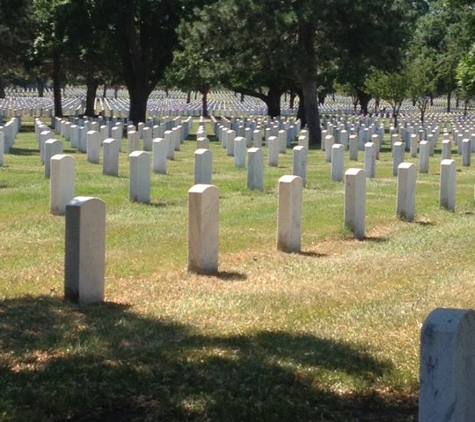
203, 166
447, 370
139, 182
355, 201
406, 191
85, 250
289, 220
110, 163
203, 229
62, 177
448, 173
255, 170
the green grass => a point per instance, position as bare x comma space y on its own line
330, 334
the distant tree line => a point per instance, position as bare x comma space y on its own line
387, 50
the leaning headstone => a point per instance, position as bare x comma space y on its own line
448, 172
159, 155
299, 164
447, 373
406, 191
110, 163
203, 166
255, 169
337, 162
355, 201
139, 182
289, 220
85, 250
203, 229
62, 177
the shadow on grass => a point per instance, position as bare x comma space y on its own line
23, 151
231, 276
61, 362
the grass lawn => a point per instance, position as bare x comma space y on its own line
329, 334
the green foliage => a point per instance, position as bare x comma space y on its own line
466, 74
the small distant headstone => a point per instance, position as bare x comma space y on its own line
466, 152
147, 138
353, 148
370, 160
203, 166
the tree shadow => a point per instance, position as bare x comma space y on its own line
24, 151
62, 362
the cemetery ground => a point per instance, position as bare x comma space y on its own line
328, 334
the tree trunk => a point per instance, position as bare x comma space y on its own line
449, 99
364, 99
292, 100
309, 88
92, 85
138, 103
58, 108
273, 102
204, 101
188, 97
301, 110
104, 91
2, 89
41, 87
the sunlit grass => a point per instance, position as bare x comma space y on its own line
273, 336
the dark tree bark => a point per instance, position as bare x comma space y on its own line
41, 87
307, 77
188, 97
449, 98
58, 108
364, 100
301, 110
204, 102
2, 89
92, 85
292, 100
273, 102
